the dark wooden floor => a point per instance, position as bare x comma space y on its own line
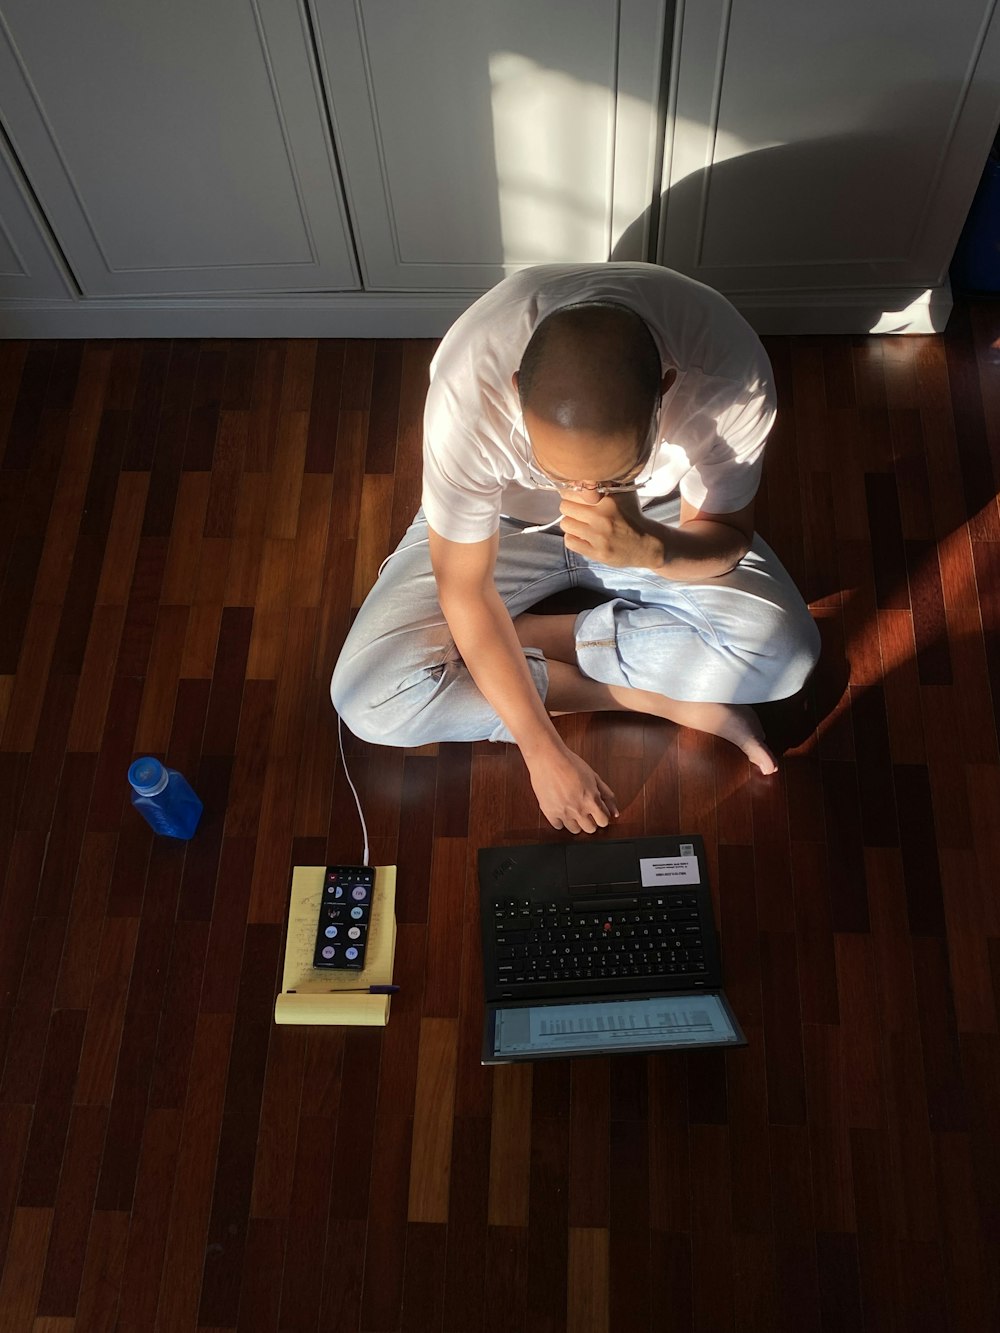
186, 529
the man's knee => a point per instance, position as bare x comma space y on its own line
769, 657
803, 640
788, 653
350, 694
373, 712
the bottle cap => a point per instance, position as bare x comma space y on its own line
147, 776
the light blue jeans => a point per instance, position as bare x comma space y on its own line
746, 637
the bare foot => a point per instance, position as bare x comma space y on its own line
571, 692
743, 729
737, 723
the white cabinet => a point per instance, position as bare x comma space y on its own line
176, 148
311, 168
825, 154
478, 136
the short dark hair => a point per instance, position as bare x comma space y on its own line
593, 365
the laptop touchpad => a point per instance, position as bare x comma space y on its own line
596, 865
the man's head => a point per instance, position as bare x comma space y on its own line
589, 383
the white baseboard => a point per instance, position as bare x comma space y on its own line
429, 314
306, 315
858, 311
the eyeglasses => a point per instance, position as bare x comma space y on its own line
618, 486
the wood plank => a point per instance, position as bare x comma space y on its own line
44, 1157
590, 1131
285, 488
383, 424
786, 1094
432, 1122
279, 1117
444, 928
143, 399
22, 1275
466, 1273
423, 1287
712, 1285
300, 1284
150, 1219
25, 708
628, 1252
184, 549
587, 1304
102, 1273
96, 679
510, 1146
190, 1207
355, 1127
749, 1143
373, 534
271, 867
324, 407
965, 1256
311, 536
265, 403
210, 377
143, 604
247, 545
548, 1257
123, 539
227, 471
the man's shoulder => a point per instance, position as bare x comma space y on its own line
543, 287
493, 332
693, 324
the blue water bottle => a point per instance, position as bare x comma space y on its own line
164, 798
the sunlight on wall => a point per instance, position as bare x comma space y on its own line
552, 186
563, 196
692, 151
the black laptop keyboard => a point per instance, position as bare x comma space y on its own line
654, 937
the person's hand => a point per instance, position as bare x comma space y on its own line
610, 530
570, 794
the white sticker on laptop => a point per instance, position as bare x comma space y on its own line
668, 871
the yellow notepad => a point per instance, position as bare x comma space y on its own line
314, 994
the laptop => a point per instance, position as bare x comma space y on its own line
594, 948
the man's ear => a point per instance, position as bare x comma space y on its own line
515, 379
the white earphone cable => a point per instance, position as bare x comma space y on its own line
347, 775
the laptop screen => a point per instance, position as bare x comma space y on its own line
532, 1029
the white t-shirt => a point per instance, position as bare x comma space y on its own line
713, 421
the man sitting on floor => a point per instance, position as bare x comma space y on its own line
598, 427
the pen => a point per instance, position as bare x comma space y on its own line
360, 990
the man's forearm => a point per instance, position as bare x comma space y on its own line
485, 637
700, 549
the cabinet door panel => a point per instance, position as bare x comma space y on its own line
176, 148
478, 136
826, 146
28, 268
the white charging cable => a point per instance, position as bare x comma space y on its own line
542, 527
347, 775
